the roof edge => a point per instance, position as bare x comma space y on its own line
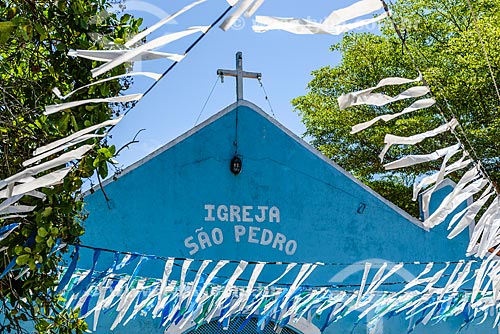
298, 139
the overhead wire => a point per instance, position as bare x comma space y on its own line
206, 101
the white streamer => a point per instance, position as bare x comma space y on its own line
158, 42
117, 99
355, 98
161, 23
417, 105
61, 160
154, 76
307, 27
76, 135
411, 160
109, 55
415, 139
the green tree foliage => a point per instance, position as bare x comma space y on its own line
35, 37
442, 37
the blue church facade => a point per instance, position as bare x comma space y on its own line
288, 203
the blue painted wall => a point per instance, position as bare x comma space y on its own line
289, 203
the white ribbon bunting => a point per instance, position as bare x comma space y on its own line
117, 99
357, 98
411, 160
160, 23
307, 27
417, 105
156, 43
415, 139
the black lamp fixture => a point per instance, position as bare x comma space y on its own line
236, 165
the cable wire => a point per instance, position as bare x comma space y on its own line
208, 98
266, 97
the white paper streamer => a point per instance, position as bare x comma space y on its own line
357, 9
167, 270
61, 160
74, 142
161, 23
439, 176
76, 135
415, 139
41, 182
356, 98
231, 19
417, 105
307, 27
363, 281
481, 225
459, 194
156, 43
253, 8
117, 99
154, 76
109, 55
467, 215
411, 160
16, 209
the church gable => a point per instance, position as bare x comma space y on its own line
288, 203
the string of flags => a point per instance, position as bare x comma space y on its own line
199, 295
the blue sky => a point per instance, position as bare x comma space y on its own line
285, 61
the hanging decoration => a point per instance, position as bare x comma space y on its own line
334, 24
432, 296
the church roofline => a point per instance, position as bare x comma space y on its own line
257, 109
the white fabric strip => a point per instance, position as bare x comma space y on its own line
481, 224
415, 139
253, 8
10, 201
305, 271
41, 182
154, 76
167, 270
74, 142
16, 209
210, 277
229, 285
358, 9
391, 272
439, 176
411, 160
75, 135
306, 27
231, 19
466, 216
117, 99
232, 2
156, 43
242, 300
417, 105
459, 194
61, 160
160, 23
109, 55
289, 267
379, 99
368, 265
354, 98
200, 271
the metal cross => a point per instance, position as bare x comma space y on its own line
239, 74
